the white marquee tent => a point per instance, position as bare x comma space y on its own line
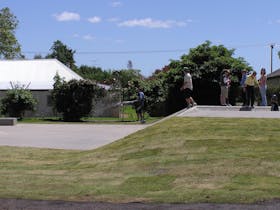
37, 74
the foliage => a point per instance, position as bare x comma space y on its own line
206, 63
38, 56
94, 73
74, 99
123, 77
62, 53
129, 64
17, 101
9, 46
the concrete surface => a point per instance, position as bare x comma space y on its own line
8, 121
64, 136
91, 136
229, 111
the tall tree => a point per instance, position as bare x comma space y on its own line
129, 65
62, 53
94, 73
206, 62
9, 46
38, 56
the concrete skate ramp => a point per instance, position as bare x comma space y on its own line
229, 111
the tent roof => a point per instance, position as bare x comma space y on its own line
37, 74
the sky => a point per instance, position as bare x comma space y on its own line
150, 33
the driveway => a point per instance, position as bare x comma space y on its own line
64, 136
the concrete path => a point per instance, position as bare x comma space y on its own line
64, 136
232, 111
86, 137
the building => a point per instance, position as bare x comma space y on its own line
273, 79
38, 76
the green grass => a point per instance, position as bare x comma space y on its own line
128, 116
178, 160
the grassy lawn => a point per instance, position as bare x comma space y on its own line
127, 115
178, 160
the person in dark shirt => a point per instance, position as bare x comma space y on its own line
139, 106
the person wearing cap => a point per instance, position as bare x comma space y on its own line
225, 84
187, 88
250, 83
243, 86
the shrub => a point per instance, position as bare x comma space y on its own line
74, 99
17, 101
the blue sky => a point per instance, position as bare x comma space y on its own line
108, 33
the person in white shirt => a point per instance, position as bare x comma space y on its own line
225, 84
187, 88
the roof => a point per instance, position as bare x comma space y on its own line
274, 74
37, 74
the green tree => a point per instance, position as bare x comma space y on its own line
9, 46
94, 73
62, 53
129, 65
123, 79
17, 101
74, 99
38, 56
206, 63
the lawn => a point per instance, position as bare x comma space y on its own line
127, 115
178, 160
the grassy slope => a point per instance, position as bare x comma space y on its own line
178, 160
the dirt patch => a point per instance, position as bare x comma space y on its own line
20, 204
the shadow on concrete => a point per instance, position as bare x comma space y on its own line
245, 108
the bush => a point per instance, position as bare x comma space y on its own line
74, 99
16, 102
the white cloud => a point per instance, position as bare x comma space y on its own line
150, 23
88, 37
114, 19
67, 16
94, 19
116, 4
278, 21
76, 35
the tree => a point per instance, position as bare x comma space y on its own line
206, 63
38, 56
94, 73
63, 53
129, 65
74, 99
9, 46
17, 101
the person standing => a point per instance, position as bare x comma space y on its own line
263, 87
250, 83
243, 86
225, 84
187, 88
140, 103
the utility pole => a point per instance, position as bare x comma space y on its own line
271, 57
